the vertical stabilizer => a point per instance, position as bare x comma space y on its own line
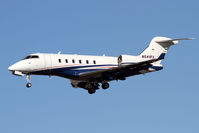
158, 47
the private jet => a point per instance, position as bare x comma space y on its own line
89, 72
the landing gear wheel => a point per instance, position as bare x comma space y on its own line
91, 91
28, 85
105, 86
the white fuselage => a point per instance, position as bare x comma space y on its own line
89, 71
69, 66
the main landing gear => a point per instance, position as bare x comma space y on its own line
93, 87
105, 85
28, 85
91, 91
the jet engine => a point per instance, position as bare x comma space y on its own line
126, 59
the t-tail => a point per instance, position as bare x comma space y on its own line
158, 48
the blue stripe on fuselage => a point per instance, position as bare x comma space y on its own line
87, 66
71, 70
76, 70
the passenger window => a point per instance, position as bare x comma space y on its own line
80, 62
73, 61
59, 60
87, 62
66, 60
94, 62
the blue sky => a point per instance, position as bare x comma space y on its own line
166, 101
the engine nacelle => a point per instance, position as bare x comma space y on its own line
127, 59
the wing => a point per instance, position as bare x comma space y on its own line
119, 72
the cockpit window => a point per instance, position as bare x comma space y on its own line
34, 56
31, 57
27, 57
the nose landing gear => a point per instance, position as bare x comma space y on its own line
28, 85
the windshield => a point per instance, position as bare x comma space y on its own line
31, 57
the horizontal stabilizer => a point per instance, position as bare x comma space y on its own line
174, 41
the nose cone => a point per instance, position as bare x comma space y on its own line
14, 67
11, 68
19, 66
